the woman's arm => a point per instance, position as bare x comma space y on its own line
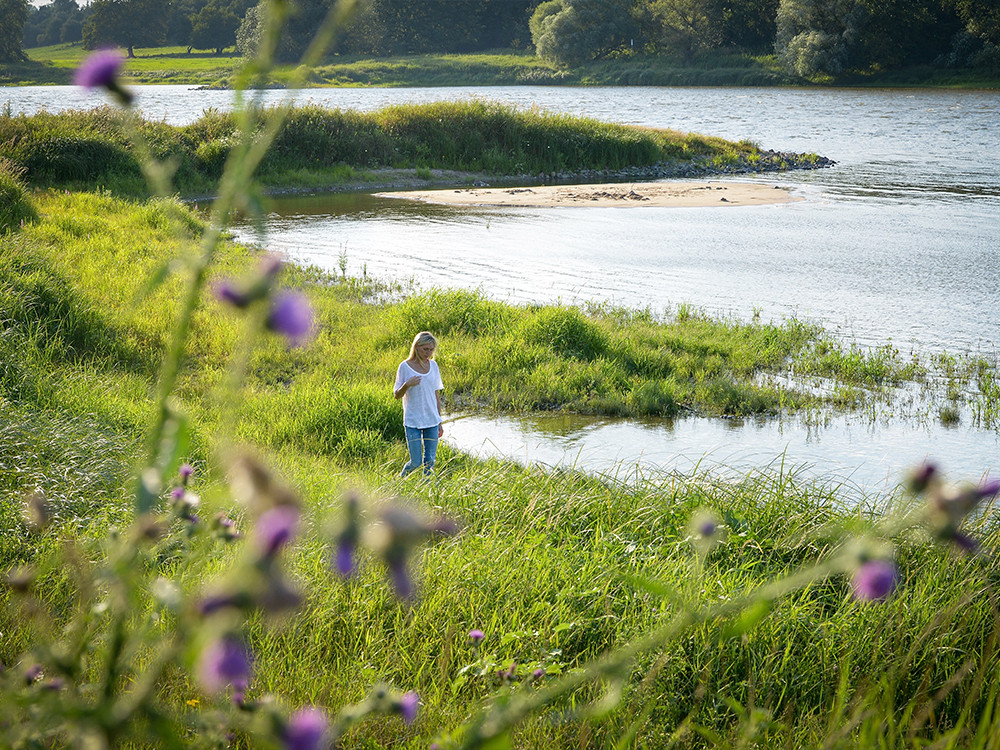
440, 403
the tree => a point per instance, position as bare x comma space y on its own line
214, 28
126, 23
982, 18
814, 36
685, 26
571, 32
13, 16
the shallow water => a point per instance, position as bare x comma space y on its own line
897, 243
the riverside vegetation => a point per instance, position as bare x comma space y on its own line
570, 611
54, 64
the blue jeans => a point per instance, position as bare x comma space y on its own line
419, 440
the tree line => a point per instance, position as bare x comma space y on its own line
811, 38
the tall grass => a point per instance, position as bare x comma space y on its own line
91, 148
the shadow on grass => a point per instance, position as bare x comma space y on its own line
33, 73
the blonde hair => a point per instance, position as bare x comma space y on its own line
424, 337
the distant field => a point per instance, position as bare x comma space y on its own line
494, 68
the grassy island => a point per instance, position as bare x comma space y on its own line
450, 142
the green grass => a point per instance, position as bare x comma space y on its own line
54, 64
550, 564
83, 149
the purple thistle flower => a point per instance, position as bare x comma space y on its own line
32, 673
707, 528
177, 493
292, 317
476, 636
989, 489
539, 673
270, 265
874, 580
226, 291
402, 584
215, 602
344, 557
225, 662
186, 471
275, 528
306, 730
99, 70
965, 543
408, 705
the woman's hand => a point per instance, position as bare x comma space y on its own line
414, 381
440, 431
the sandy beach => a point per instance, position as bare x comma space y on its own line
668, 194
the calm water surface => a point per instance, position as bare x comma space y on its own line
898, 243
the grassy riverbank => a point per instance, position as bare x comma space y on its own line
323, 147
55, 64
554, 567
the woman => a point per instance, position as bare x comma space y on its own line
418, 383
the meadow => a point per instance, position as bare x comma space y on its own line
54, 64
559, 570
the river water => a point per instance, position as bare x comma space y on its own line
897, 243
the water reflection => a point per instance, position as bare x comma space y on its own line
862, 457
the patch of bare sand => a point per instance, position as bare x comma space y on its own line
614, 194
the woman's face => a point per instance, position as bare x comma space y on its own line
425, 351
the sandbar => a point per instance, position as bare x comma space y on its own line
662, 194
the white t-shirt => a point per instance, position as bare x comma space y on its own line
420, 408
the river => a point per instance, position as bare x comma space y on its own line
896, 244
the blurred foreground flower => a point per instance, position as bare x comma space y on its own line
408, 704
874, 580
292, 317
306, 730
100, 70
225, 662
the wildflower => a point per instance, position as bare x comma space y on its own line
921, 477
292, 317
186, 471
306, 730
476, 636
225, 662
226, 291
193, 702
402, 583
224, 528
100, 70
407, 706
54, 685
347, 539
874, 580
275, 528
33, 673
